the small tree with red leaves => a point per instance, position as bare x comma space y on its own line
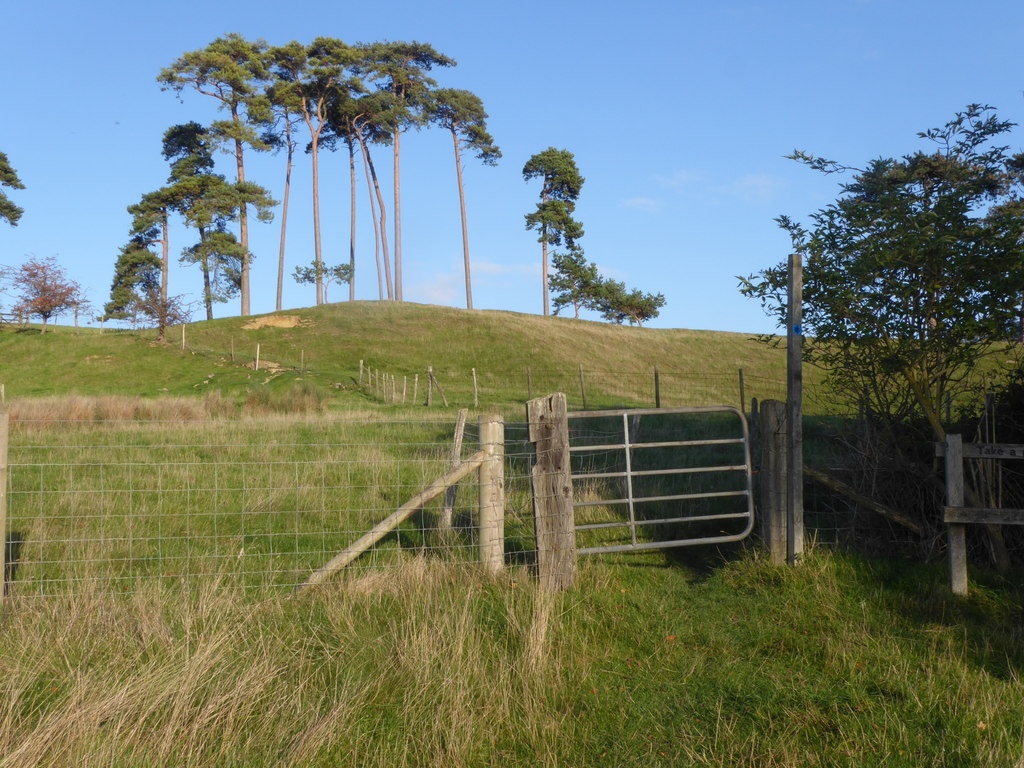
44, 290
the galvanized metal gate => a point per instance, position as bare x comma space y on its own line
661, 477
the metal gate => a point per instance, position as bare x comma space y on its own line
661, 477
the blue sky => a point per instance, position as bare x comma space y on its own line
679, 115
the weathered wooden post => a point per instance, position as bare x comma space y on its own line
957, 545
772, 430
444, 523
491, 517
4, 433
743, 393
583, 388
430, 386
554, 523
657, 387
794, 411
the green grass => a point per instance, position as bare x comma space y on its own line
648, 662
512, 354
416, 658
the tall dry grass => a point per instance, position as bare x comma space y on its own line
90, 408
447, 657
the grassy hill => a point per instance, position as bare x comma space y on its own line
512, 354
685, 657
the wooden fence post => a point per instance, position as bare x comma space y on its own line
476, 393
743, 394
491, 518
4, 432
657, 387
772, 431
583, 388
448, 511
430, 386
794, 411
957, 545
552, 491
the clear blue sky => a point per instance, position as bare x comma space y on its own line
679, 114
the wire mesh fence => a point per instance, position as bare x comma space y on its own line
261, 504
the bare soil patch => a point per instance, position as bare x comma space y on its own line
273, 321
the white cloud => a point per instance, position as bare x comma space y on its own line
680, 178
755, 188
648, 204
490, 268
441, 289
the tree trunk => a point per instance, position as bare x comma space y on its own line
398, 220
284, 210
243, 220
314, 134
165, 250
544, 273
544, 257
465, 231
383, 221
352, 222
373, 217
204, 265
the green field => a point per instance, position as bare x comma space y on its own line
160, 523
513, 355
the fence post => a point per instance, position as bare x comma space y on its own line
492, 493
552, 491
583, 388
4, 432
957, 546
448, 511
430, 386
657, 387
743, 393
772, 430
794, 410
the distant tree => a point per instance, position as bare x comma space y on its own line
136, 271
150, 226
561, 184
321, 274
44, 289
402, 66
136, 291
231, 70
462, 113
617, 304
369, 124
315, 74
9, 178
208, 203
575, 282
286, 109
